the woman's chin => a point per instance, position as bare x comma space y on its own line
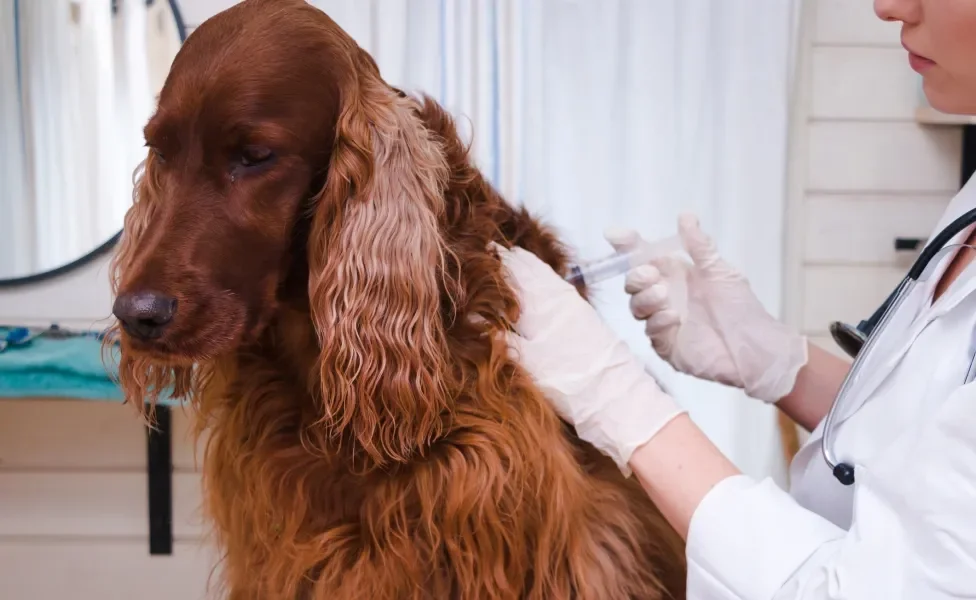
945, 99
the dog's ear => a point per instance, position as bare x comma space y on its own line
377, 283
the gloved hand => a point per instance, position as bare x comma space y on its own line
583, 368
704, 319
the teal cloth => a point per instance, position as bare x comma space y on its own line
60, 368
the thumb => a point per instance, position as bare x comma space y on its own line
622, 239
697, 243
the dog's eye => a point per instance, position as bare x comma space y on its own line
252, 156
157, 154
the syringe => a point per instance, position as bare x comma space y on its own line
621, 262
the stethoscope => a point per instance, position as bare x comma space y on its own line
858, 342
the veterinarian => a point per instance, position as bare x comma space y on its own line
897, 518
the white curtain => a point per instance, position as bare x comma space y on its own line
16, 216
84, 96
162, 43
132, 35
620, 112
635, 111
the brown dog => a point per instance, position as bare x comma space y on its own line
307, 260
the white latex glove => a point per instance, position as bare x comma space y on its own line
583, 368
704, 319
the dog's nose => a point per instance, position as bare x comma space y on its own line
144, 314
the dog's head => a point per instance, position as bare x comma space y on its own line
282, 167
258, 103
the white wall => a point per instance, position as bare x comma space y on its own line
863, 173
73, 520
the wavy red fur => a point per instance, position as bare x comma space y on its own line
337, 335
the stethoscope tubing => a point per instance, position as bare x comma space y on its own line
939, 241
859, 341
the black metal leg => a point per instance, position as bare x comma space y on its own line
160, 474
968, 153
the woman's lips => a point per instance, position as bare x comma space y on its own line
918, 62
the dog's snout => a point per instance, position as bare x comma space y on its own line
145, 315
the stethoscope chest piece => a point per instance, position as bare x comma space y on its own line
849, 338
844, 473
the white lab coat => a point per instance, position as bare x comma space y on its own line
907, 528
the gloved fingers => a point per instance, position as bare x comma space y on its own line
641, 278
661, 322
622, 239
671, 268
648, 302
520, 261
661, 330
663, 347
531, 356
530, 272
523, 265
542, 293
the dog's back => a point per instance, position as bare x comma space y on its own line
659, 548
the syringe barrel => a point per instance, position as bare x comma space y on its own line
621, 262
602, 269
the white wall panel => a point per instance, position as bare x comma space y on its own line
862, 83
102, 570
844, 293
66, 504
882, 157
852, 22
847, 229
